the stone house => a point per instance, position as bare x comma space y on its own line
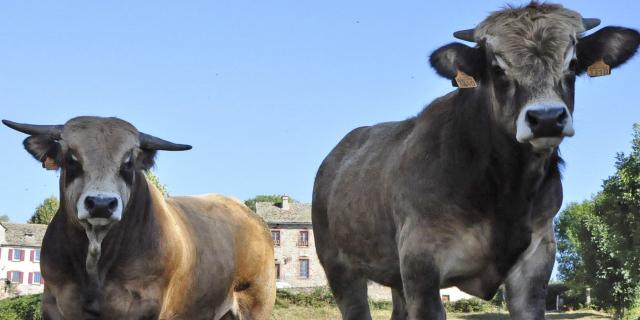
20, 258
297, 264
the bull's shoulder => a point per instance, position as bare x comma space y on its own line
376, 137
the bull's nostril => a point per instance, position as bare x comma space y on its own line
562, 117
113, 204
531, 119
89, 203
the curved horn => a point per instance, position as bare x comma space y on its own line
53, 131
154, 143
466, 35
590, 23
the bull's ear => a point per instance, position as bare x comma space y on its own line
45, 150
611, 45
455, 57
146, 159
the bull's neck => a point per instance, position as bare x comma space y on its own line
491, 153
97, 253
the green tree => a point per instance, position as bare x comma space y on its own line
151, 177
599, 239
4, 218
275, 199
45, 211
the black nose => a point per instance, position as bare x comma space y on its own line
547, 122
100, 207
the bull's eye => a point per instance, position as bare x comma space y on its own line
72, 166
573, 65
126, 171
128, 163
498, 71
72, 161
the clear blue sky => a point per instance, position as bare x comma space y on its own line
261, 90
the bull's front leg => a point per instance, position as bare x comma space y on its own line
49, 308
420, 276
527, 281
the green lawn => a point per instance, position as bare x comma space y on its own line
331, 313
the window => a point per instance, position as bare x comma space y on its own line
16, 255
303, 239
35, 255
304, 268
14, 276
36, 278
277, 271
275, 236
445, 298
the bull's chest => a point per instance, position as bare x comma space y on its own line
115, 299
478, 258
133, 299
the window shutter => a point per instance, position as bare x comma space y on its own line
10, 254
19, 276
9, 275
21, 255
32, 255
30, 277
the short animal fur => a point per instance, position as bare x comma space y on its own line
191, 257
464, 193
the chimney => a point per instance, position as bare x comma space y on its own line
285, 202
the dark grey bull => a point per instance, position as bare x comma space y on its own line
464, 193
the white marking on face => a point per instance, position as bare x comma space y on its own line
83, 212
570, 56
501, 62
525, 134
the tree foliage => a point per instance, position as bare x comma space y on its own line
151, 177
45, 211
599, 239
4, 218
275, 199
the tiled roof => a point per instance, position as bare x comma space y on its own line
298, 213
24, 234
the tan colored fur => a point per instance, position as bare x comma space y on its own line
180, 256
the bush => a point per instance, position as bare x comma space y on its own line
380, 305
469, 305
319, 297
21, 308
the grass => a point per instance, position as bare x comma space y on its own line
332, 313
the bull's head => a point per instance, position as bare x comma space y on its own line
526, 61
100, 159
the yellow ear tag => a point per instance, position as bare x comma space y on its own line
599, 69
50, 164
464, 80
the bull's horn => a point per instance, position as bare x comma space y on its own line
154, 143
466, 35
590, 23
53, 131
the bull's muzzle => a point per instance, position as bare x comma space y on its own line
100, 208
544, 124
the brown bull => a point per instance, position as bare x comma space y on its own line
117, 249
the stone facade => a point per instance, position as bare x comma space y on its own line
20, 259
297, 265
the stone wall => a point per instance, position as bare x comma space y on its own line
289, 253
